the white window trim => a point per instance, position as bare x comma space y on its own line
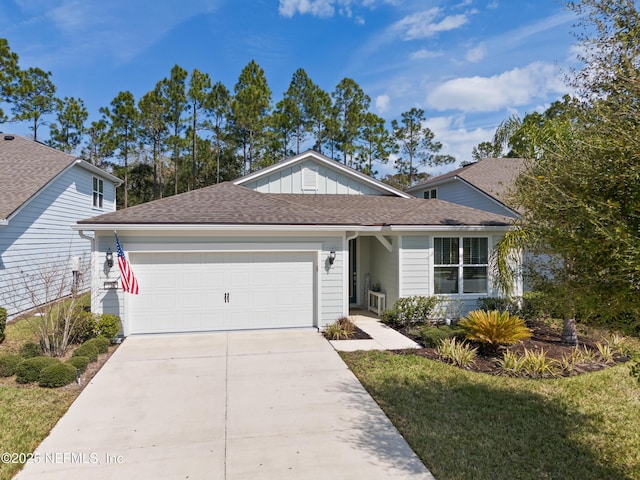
97, 197
306, 175
430, 191
460, 266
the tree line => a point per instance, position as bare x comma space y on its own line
190, 131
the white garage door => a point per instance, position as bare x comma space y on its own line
187, 292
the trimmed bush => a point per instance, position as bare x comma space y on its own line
101, 343
493, 328
79, 362
414, 310
8, 364
29, 370
389, 317
30, 350
84, 326
432, 336
86, 350
3, 323
57, 375
108, 325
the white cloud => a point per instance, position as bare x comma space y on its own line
456, 140
516, 87
382, 103
423, 25
424, 53
327, 8
319, 8
476, 54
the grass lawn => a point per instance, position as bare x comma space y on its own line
27, 412
466, 425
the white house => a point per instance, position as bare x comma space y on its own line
293, 245
43, 192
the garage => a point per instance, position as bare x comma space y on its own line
204, 291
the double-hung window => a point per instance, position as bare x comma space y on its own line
460, 265
98, 192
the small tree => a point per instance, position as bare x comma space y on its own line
53, 291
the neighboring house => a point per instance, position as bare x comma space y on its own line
43, 192
483, 185
292, 245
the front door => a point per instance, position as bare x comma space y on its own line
353, 271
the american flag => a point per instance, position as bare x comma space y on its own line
129, 282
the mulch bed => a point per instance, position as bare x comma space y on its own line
544, 338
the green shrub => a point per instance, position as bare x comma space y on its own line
108, 325
57, 375
79, 362
431, 336
414, 310
537, 365
493, 328
29, 370
89, 351
30, 350
389, 317
457, 353
501, 304
84, 326
538, 305
101, 343
512, 364
341, 329
8, 364
3, 323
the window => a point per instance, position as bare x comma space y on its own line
460, 265
98, 192
430, 194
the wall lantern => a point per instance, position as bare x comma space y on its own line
332, 257
109, 258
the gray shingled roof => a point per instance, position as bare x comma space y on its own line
230, 204
494, 176
25, 167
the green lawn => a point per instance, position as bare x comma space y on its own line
466, 425
27, 413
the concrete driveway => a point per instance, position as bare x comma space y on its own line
229, 405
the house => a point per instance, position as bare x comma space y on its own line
43, 192
483, 185
296, 244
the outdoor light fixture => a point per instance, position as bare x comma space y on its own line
109, 258
332, 257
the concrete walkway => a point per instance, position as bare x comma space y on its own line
233, 405
382, 336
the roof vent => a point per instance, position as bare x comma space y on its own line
9, 137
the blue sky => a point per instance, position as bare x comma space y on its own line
468, 63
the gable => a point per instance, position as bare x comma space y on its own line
313, 173
27, 168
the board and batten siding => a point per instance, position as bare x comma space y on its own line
38, 241
330, 284
329, 181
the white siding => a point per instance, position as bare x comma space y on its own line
38, 241
329, 297
289, 180
415, 255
